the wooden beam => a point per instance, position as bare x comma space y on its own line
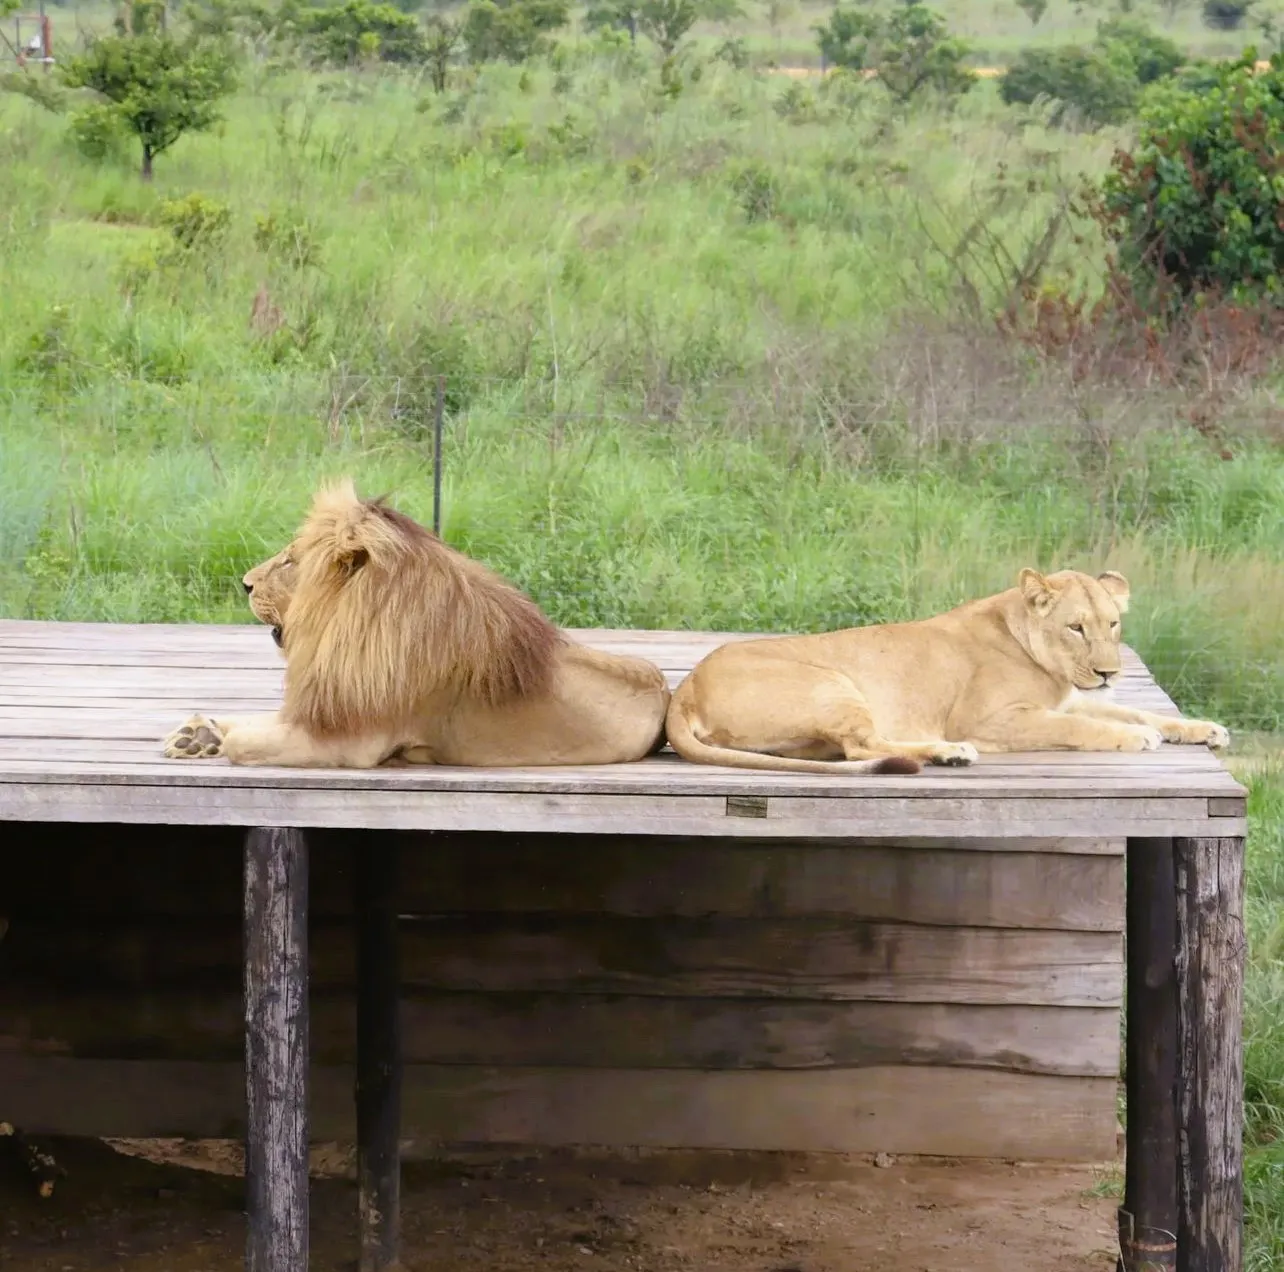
1148, 1216
276, 1050
1210, 1075
379, 1058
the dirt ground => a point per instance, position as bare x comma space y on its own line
177, 1208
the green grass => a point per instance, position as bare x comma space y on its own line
707, 363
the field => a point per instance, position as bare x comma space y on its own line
721, 358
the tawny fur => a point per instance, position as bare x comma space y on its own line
1011, 672
401, 650
384, 613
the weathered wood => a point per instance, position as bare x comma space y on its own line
1210, 1076
1066, 884
897, 1109
813, 959
1148, 1217
379, 1057
276, 1050
938, 808
583, 1030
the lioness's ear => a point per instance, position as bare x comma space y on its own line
1117, 586
1039, 592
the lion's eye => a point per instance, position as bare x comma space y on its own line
1114, 624
1077, 628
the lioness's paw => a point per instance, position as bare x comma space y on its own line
1199, 732
1141, 737
953, 754
198, 739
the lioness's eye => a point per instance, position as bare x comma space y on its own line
1077, 627
1114, 624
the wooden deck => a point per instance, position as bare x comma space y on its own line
83, 708
654, 954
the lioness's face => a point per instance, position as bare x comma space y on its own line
1076, 623
269, 587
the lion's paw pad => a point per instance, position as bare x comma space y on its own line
198, 739
955, 755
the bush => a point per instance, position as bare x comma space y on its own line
1226, 15
1100, 85
346, 34
1194, 207
512, 31
99, 131
1102, 81
1155, 56
196, 222
910, 49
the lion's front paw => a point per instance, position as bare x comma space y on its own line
1197, 733
199, 739
953, 754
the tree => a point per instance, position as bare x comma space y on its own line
1033, 9
161, 85
441, 42
512, 30
346, 34
667, 21
909, 49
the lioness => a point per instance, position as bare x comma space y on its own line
1012, 672
398, 649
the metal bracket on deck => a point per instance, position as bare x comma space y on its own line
746, 806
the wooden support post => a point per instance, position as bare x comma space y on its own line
276, 1050
1148, 1216
1210, 1064
378, 1052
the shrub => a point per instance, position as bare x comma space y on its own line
98, 131
1155, 56
346, 34
513, 30
1226, 15
196, 222
910, 49
1099, 84
1102, 81
1195, 205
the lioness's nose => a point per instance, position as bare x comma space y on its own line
249, 587
1106, 675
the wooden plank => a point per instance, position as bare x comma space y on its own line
1065, 884
312, 800
379, 1053
1148, 1216
952, 1112
817, 959
276, 1051
1210, 1072
1069, 884
587, 1031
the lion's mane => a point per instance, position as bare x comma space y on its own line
385, 615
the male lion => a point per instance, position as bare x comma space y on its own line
398, 649
1007, 673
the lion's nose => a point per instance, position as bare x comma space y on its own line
1107, 676
249, 587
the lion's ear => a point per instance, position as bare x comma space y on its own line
1117, 586
1039, 591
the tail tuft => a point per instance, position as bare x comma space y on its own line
899, 764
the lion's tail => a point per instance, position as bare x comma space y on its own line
684, 741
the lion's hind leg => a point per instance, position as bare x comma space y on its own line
818, 713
